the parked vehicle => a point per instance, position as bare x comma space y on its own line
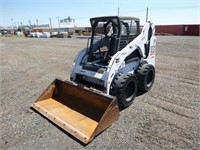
53, 34
46, 35
36, 34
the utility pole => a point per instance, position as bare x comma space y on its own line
58, 22
147, 13
12, 22
37, 21
50, 23
118, 11
30, 23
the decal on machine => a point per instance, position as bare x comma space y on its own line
153, 51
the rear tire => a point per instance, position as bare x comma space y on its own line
146, 77
125, 88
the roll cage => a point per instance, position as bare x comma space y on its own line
110, 35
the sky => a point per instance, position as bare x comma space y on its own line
160, 12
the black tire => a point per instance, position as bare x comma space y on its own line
125, 88
146, 76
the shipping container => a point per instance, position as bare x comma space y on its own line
192, 30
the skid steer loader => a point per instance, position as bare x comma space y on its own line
118, 61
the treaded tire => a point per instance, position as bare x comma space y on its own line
146, 76
125, 88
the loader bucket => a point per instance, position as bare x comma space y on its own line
82, 112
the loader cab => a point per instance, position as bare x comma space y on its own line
110, 35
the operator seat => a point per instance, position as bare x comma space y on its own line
113, 46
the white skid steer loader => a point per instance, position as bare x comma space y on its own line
118, 61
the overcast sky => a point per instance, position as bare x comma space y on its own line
160, 12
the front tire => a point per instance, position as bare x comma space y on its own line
125, 88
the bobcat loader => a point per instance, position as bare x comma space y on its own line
118, 61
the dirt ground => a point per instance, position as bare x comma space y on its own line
167, 117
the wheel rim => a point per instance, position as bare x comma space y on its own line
150, 78
130, 91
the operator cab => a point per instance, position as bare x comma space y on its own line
109, 35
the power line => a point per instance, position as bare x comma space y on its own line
160, 8
164, 8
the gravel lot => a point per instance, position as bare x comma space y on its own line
167, 117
